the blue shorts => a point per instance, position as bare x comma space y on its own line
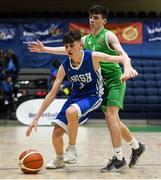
84, 106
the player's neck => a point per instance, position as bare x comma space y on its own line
96, 32
77, 60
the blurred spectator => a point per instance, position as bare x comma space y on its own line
1, 64
11, 64
8, 89
1, 59
53, 73
2, 100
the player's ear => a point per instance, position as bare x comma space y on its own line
105, 21
81, 45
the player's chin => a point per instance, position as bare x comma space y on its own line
92, 26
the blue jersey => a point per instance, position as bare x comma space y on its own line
85, 80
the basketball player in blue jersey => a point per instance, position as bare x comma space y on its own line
83, 70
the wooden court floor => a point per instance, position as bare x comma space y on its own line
93, 149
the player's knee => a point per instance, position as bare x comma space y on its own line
71, 112
58, 131
110, 117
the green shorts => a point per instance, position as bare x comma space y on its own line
114, 91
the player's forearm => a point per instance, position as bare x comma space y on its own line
118, 59
55, 50
126, 61
98, 56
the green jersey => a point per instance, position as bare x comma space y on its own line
114, 90
100, 43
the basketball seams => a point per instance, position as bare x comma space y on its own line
30, 161
26, 168
28, 154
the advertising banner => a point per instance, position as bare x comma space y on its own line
45, 32
153, 31
7, 32
27, 110
127, 33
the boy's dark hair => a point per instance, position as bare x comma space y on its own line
97, 9
71, 36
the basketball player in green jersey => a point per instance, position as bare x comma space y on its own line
103, 40
106, 41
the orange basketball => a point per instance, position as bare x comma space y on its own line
31, 161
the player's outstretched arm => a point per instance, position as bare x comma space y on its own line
37, 46
99, 56
48, 100
129, 71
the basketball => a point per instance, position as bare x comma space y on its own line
31, 161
